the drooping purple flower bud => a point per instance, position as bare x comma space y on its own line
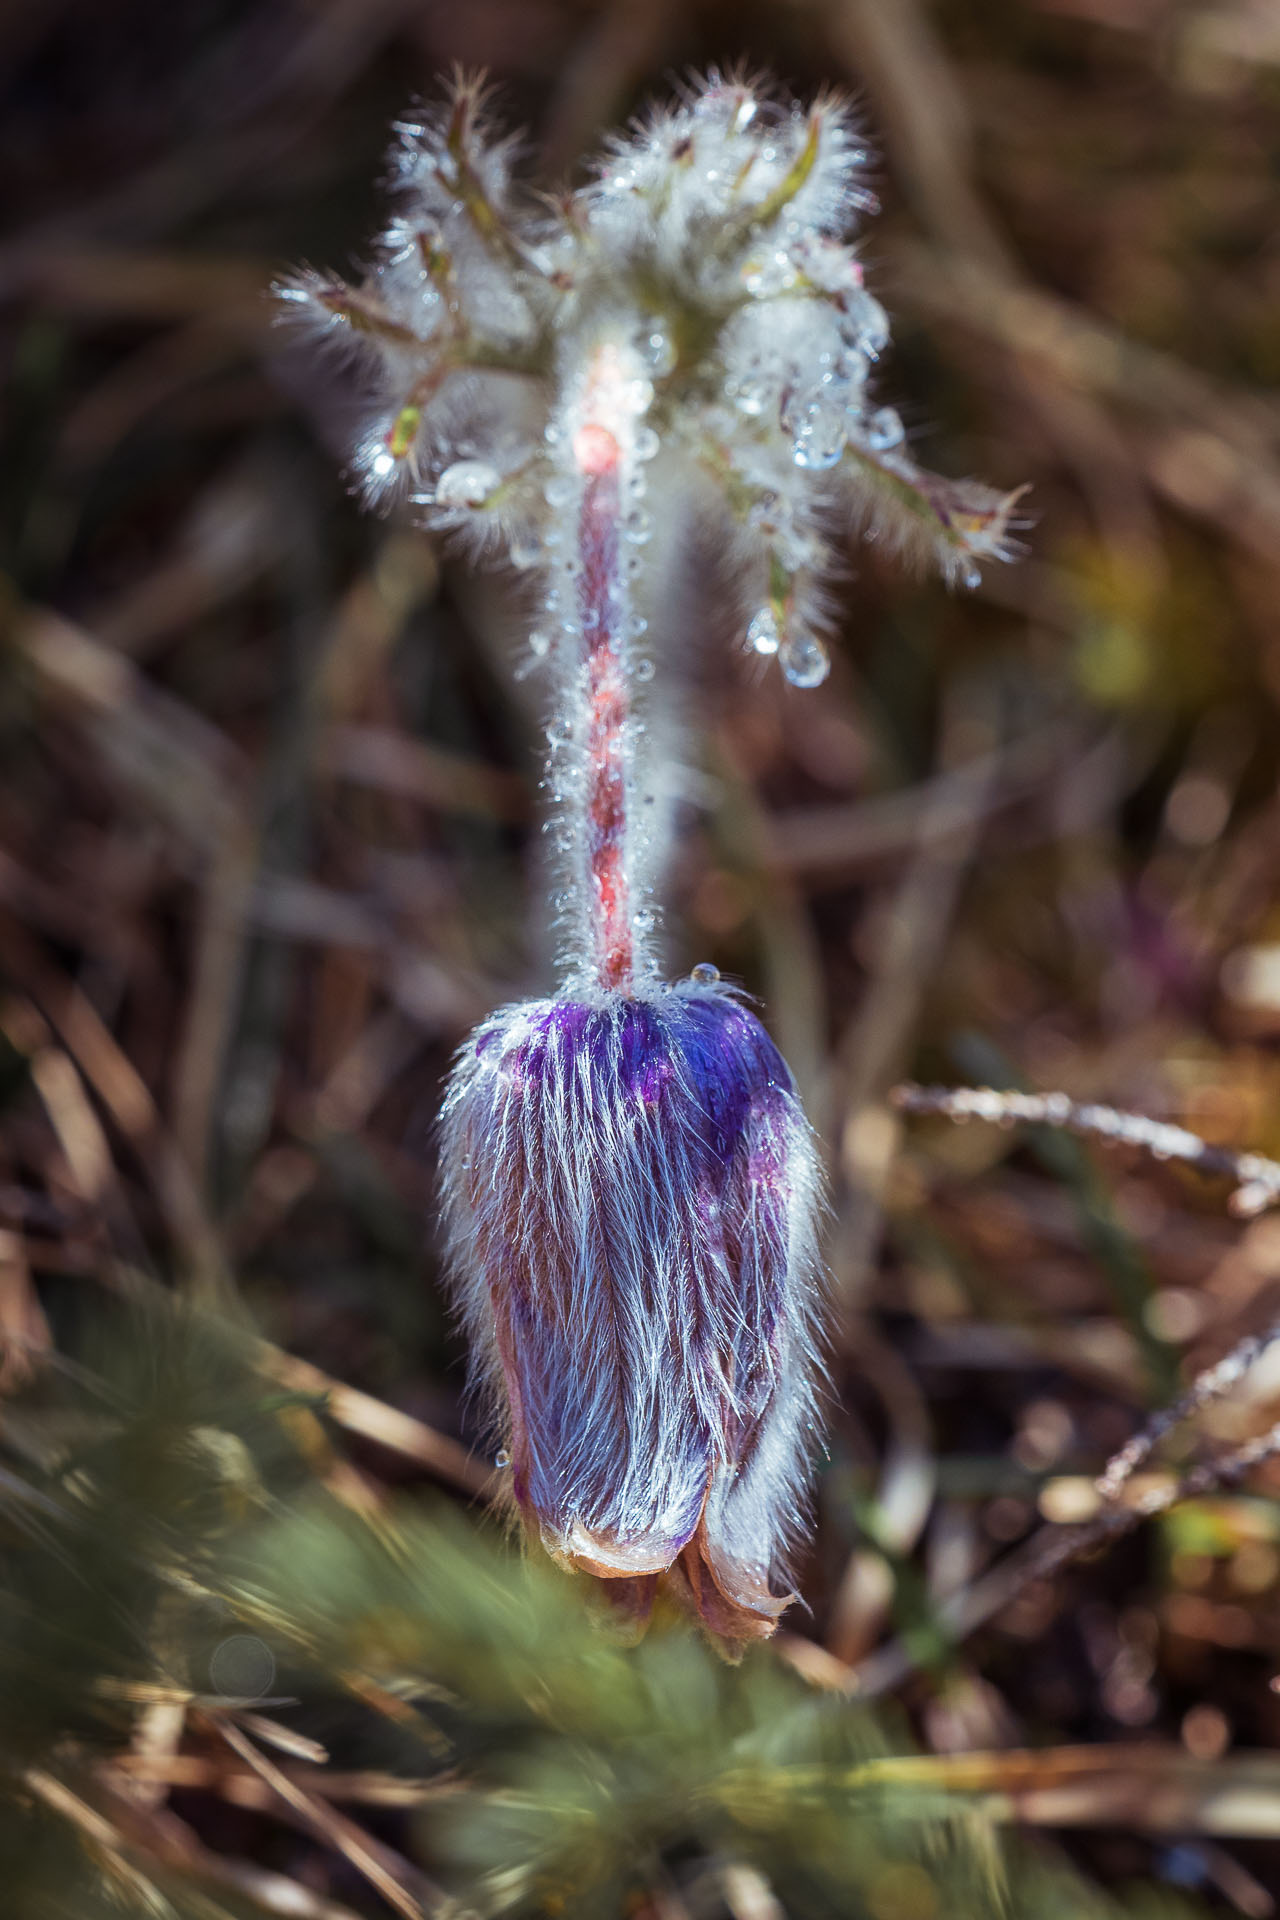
631, 1188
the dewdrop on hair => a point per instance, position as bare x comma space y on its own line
630, 1186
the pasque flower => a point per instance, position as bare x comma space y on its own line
630, 1184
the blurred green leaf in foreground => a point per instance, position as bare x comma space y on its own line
197, 1597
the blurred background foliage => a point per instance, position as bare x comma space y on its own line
268, 848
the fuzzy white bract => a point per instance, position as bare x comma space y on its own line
715, 241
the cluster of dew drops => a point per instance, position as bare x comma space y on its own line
714, 238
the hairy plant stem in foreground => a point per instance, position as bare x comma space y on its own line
603, 669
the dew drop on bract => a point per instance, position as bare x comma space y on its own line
763, 635
643, 670
767, 275
870, 323
539, 643
804, 660
526, 552
658, 352
820, 435
883, 430
704, 974
752, 395
647, 444
467, 483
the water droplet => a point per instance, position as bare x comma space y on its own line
526, 552
467, 483
765, 275
752, 395
637, 627
970, 575
647, 444
704, 974
539, 644
644, 919
658, 351
637, 527
804, 660
851, 369
643, 670
637, 394
870, 323
501, 1458
559, 489
820, 434
883, 430
763, 635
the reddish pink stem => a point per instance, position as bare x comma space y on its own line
600, 609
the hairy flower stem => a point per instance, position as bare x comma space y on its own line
597, 668
608, 703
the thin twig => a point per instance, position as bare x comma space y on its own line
1051, 1549
1151, 1788
161, 1836
380, 1866
1257, 1180
373, 1419
208, 1773
1206, 1387
1257, 1186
